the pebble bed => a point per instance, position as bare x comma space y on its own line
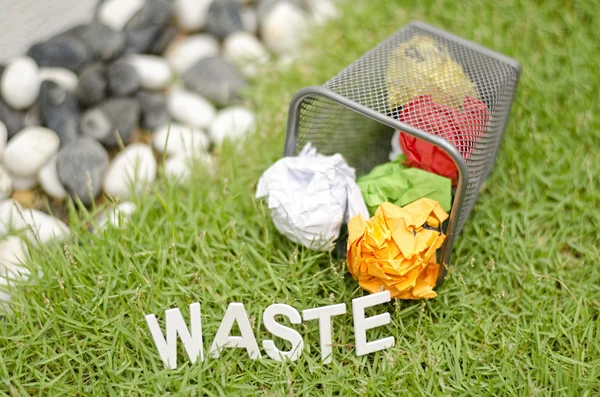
86, 114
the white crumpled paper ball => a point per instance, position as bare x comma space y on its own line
310, 196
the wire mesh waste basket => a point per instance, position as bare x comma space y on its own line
395, 86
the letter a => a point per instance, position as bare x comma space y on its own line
235, 313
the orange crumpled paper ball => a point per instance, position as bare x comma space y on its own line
395, 250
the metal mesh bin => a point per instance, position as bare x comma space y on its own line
357, 112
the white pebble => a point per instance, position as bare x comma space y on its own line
3, 139
191, 14
114, 216
13, 254
250, 20
130, 171
184, 53
24, 183
20, 83
190, 108
322, 11
6, 183
29, 150
5, 297
10, 216
154, 71
44, 228
178, 169
33, 116
116, 13
284, 28
48, 178
176, 139
232, 123
61, 76
246, 52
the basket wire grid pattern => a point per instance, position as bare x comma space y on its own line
357, 112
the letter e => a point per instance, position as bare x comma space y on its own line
362, 324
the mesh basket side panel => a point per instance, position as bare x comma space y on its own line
405, 77
333, 128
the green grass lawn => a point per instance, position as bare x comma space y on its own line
517, 316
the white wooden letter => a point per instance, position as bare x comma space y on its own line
362, 324
289, 334
175, 325
235, 313
324, 314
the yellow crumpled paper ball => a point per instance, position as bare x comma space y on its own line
423, 67
395, 250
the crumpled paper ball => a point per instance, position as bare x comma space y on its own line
395, 250
461, 128
398, 184
311, 196
421, 66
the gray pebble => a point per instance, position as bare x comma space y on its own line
33, 116
74, 31
13, 119
81, 166
96, 124
216, 79
120, 115
62, 51
123, 79
155, 113
146, 25
224, 18
163, 40
104, 42
60, 111
93, 85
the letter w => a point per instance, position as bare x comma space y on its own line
175, 325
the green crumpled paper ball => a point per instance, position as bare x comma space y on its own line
401, 185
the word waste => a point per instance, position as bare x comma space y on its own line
193, 343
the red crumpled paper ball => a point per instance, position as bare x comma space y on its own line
462, 128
